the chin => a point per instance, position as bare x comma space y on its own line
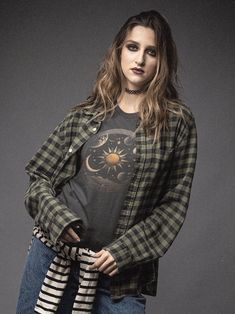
134, 85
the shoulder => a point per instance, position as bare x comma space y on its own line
76, 117
182, 123
188, 114
181, 116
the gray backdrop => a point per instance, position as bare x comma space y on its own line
50, 52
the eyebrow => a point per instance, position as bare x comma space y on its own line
136, 42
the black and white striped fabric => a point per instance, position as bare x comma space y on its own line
57, 277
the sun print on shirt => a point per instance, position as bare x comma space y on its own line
108, 158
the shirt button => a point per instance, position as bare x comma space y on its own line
70, 150
94, 129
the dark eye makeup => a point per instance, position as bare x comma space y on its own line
133, 47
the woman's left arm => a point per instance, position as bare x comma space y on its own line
151, 238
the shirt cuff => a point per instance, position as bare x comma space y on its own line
121, 254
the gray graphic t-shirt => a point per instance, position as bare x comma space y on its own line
104, 171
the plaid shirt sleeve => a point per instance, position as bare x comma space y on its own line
40, 200
150, 238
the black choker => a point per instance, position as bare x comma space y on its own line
134, 91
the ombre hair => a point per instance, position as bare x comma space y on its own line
161, 95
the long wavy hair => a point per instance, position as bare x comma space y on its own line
161, 95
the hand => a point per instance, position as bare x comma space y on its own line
69, 236
105, 263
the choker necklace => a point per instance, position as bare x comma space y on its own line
134, 91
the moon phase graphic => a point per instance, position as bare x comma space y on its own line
89, 167
128, 140
109, 158
101, 140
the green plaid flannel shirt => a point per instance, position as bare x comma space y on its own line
155, 204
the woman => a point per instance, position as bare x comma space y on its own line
109, 189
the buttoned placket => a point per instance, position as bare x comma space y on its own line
74, 147
94, 130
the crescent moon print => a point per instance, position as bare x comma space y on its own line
109, 158
89, 167
128, 140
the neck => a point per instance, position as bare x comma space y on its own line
130, 102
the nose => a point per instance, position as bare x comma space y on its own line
140, 60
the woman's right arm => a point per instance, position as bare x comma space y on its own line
40, 198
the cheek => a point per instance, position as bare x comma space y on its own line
126, 57
153, 67
124, 61
122, 66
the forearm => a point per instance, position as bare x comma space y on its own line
47, 210
150, 238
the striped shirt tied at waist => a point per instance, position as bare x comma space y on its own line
57, 277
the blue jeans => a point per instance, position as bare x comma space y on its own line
37, 264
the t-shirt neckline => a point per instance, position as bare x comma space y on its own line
128, 115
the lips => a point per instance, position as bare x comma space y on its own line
137, 70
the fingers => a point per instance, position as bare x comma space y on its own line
113, 272
109, 269
70, 236
73, 234
98, 254
105, 263
66, 237
101, 257
108, 263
